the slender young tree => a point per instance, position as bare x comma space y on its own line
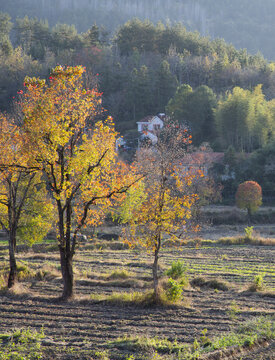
160, 208
78, 160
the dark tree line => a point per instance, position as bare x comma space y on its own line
246, 23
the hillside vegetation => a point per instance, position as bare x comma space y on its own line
247, 24
224, 95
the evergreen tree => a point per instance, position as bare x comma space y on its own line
165, 86
5, 28
196, 110
33, 36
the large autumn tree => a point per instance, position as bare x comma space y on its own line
25, 210
159, 209
76, 155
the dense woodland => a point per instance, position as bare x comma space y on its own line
224, 95
246, 23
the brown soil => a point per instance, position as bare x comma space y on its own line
84, 324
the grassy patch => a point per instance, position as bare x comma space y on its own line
119, 274
21, 345
246, 334
125, 298
24, 272
216, 284
135, 298
233, 310
105, 245
3, 281
47, 272
246, 240
116, 278
147, 345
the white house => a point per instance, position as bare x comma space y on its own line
150, 126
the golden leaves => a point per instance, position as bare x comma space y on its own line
79, 160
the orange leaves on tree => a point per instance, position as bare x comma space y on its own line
77, 158
249, 196
76, 155
11, 144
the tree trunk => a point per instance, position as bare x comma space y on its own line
249, 216
155, 277
13, 267
67, 274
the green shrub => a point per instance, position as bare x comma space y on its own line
174, 290
258, 283
249, 232
177, 270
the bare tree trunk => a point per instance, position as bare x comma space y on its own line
66, 256
155, 277
155, 270
67, 274
13, 267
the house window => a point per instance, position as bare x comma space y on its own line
144, 127
156, 127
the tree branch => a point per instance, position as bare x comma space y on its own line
27, 169
87, 206
4, 227
4, 202
27, 188
90, 169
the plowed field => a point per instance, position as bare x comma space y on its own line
72, 330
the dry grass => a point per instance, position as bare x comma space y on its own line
18, 290
139, 299
125, 298
48, 272
243, 240
105, 245
3, 281
119, 274
24, 272
43, 257
216, 284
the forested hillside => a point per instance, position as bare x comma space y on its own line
224, 95
246, 23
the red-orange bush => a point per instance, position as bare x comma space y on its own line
249, 196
